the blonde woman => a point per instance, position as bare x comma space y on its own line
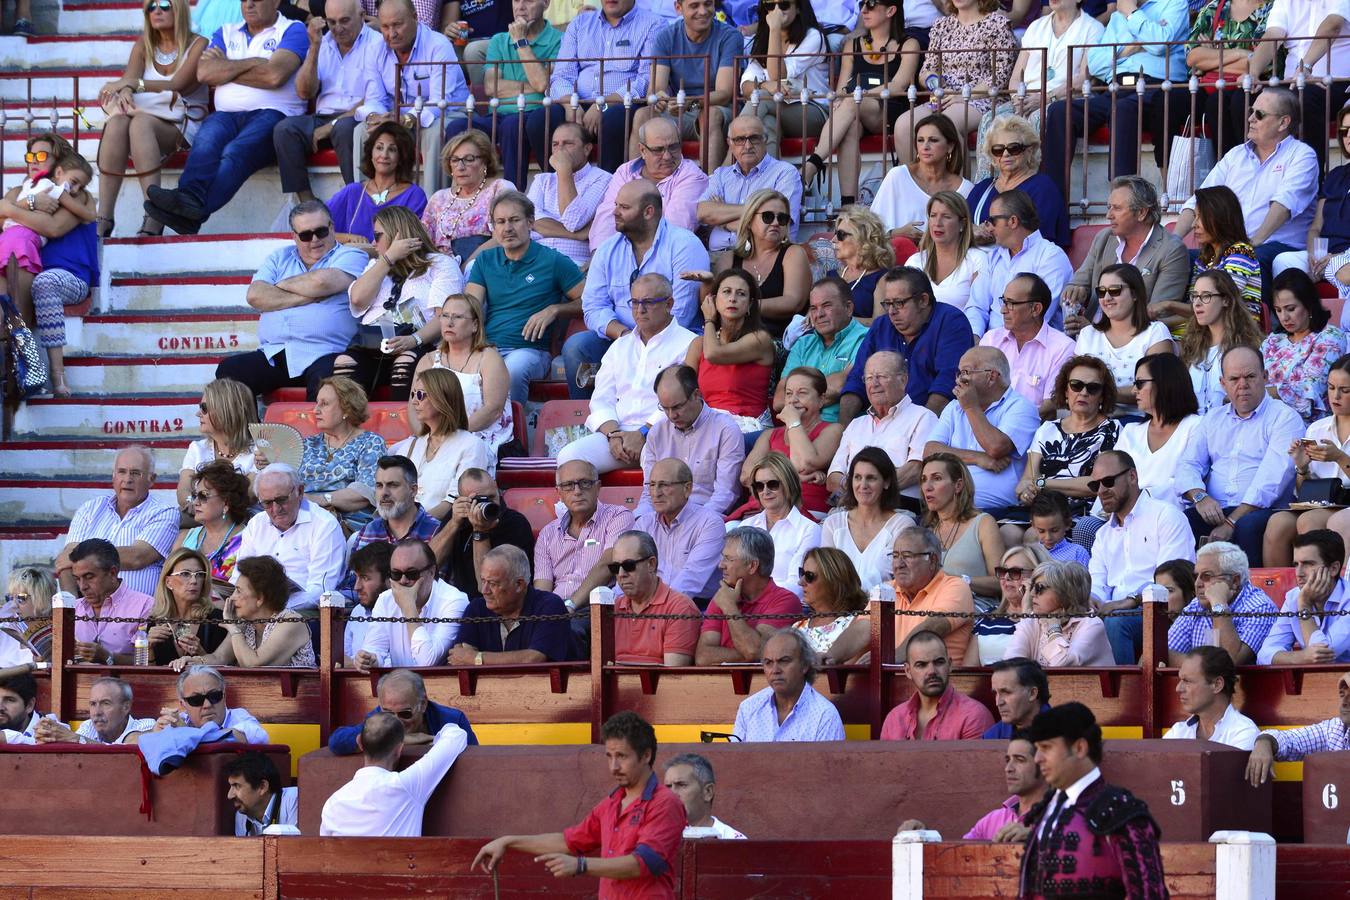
764, 251
483, 378
939, 165
779, 491
971, 543
262, 631
337, 465
1218, 322
405, 284
226, 410
153, 110
30, 591
184, 593
1070, 636
947, 254
991, 633
837, 626
863, 254
441, 446
458, 217
1012, 147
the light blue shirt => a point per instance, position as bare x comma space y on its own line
1287, 177
626, 49
432, 82
315, 329
730, 185
1239, 460
1011, 414
1334, 631
348, 81
615, 267
1154, 21
1038, 256
813, 718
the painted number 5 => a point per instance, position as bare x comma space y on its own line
1178, 793
1329, 798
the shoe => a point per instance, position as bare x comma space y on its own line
180, 224
105, 226
23, 27
175, 201
150, 227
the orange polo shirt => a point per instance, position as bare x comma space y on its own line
945, 593
648, 641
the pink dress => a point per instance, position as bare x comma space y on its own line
448, 217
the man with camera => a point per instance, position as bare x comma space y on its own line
478, 522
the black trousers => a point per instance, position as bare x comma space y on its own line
264, 376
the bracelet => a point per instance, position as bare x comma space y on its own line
581, 865
387, 262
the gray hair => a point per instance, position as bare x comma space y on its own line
1231, 558
901, 365
1070, 581
646, 543
525, 203
1143, 195
403, 676
516, 562
122, 687
699, 765
755, 546
926, 536
1288, 102
682, 471
284, 470
307, 207
190, 671
661, 282
670, 122
998, 361
806, 653
146, 457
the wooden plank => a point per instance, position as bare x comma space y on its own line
497, 697
261, 691
1311, 870
151, 864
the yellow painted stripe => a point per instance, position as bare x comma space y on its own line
534, 733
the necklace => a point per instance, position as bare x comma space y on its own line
166, 57
951, 535
460, 213
330, 448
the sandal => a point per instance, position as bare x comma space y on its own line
102, 231
819, 176
151, 227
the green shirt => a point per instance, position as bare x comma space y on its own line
503, 47
810, 350
518, 288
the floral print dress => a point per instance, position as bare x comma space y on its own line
352, 465
976, 66
1298, 372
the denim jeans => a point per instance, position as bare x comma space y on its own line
230, 146
582, 347
525, 364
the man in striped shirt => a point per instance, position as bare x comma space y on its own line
1296, 743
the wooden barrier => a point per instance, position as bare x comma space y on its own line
1326, 798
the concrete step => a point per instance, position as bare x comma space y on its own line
242, 251
76, 459
87, 18
48, 84
70, 49
55, 501
159, 293
30, 544
92, 375
165, 334
128, 418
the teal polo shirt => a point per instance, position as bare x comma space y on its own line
810, 350
518, 288
503, 47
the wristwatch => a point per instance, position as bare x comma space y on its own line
1305, 614
480, 535
1040, 482
522, 43
478, 658
1218, 609
1200, 495
327, 499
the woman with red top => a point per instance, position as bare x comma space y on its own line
805, 438
734, 358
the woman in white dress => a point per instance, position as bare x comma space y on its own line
1218, 322
1123, 334
226, 410
483, 378
779, 492
869, 518
940, 158
441, 447
1164, 394
947, 254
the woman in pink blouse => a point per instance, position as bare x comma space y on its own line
1069, 636
457, 218
1300, 353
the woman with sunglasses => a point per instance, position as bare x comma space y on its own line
947, 254
869, 517
184, 593
153, 110
804, 437
735, 356
862, 255
971, 543
1013, 148
991, 634
1221, 232
458, 217
1123, 334
1218, 322
879, 58
403, 285
387, 161
1300, 353
837, 625
764, 251
28, 596
221, 500
939, 165
483, 378
779, 491
226, 410
1061, 592
261, 630
441, 446
1331, 223
788, 54
1163, 393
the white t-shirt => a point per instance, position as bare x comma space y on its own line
900, 201
1157, 469
806, 65
422, 296
1121, 360
718, 829
200, 452
438, 479
954, 290
1300, 19
1325, 430
1041, 33
873, 562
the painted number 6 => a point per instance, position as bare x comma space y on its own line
1178, 793
1329, 798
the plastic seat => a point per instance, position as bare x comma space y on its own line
1275, 582
904, 249
793, 149
557, 414
299, 416
623, 495
1081, 243
535, 504
389, 419
1333, 305
519, 427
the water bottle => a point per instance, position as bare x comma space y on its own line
141, 647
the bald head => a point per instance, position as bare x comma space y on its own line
637, 209
984, 370
1244, 379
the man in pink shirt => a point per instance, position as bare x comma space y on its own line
94, 563
1028, 787
667, 642
1036, 352
680, 181
935, 712
746, 589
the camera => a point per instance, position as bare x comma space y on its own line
486, 507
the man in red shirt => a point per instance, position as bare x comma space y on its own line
637, 828
747, 588
667, 642
935, 712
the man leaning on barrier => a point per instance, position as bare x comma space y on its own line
521, 624
403, 694
1296, 743
655, 641
414, 593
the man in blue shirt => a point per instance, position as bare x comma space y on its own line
525, 287
403, 693
751, 169
931, 336
1311, 621
301, 291
504, 576
1139, 27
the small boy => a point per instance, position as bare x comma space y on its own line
1052, 520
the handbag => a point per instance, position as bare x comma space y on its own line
1324, 491
27, 362
1189, 163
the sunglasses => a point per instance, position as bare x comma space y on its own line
200, 497
644, 302
783, 5
407, 574
158, 4
196, 700
807, 577
1039, 588
1260, 115
1106, 481
310, 234
274, 501
1140, 382
773, 484
628, 565
377, 235
404, 714
1016, 573
17, 598
33, 156
841, 235
1114, 290
1091, 388
768, 218
420, 395
997, 151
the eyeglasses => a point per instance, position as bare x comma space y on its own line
269, 502
158, 4
1112, 290
645, 302
1038, 588
773, 484
671, 410
1140, 382
1204, 298
668, 150
628, 565
1012, 304
997, 151
404, 714
469, 160
419, 395
456, 317
1091, 388
841, 235
188, 576
33, 156
1106, 481
196, 700
907, 556
200, 497
581, 484
768, 218
879, 377
807, 577
743, 140
654, 486
1010, 573
897, 303
408, 574
310, 234
970, 373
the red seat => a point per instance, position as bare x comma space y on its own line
1275, 582
535, 504
904, 249
389, 419
796, 148
285, 395
871, 143
1334, 306
691, 149
1081, 242
299, 416
623, 495
519, 427
557, 414
544, 391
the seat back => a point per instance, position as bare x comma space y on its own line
535, 504
555, 415
299, 416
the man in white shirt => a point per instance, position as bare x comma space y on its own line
1311, 620
370, 569
110, 720
623, 404
1018, 247
201, 700
19, 718
1139, 533
380, 802
414, 593
306, 539
1035, 351
690, 776
892, 422
259, 800
1205, 684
